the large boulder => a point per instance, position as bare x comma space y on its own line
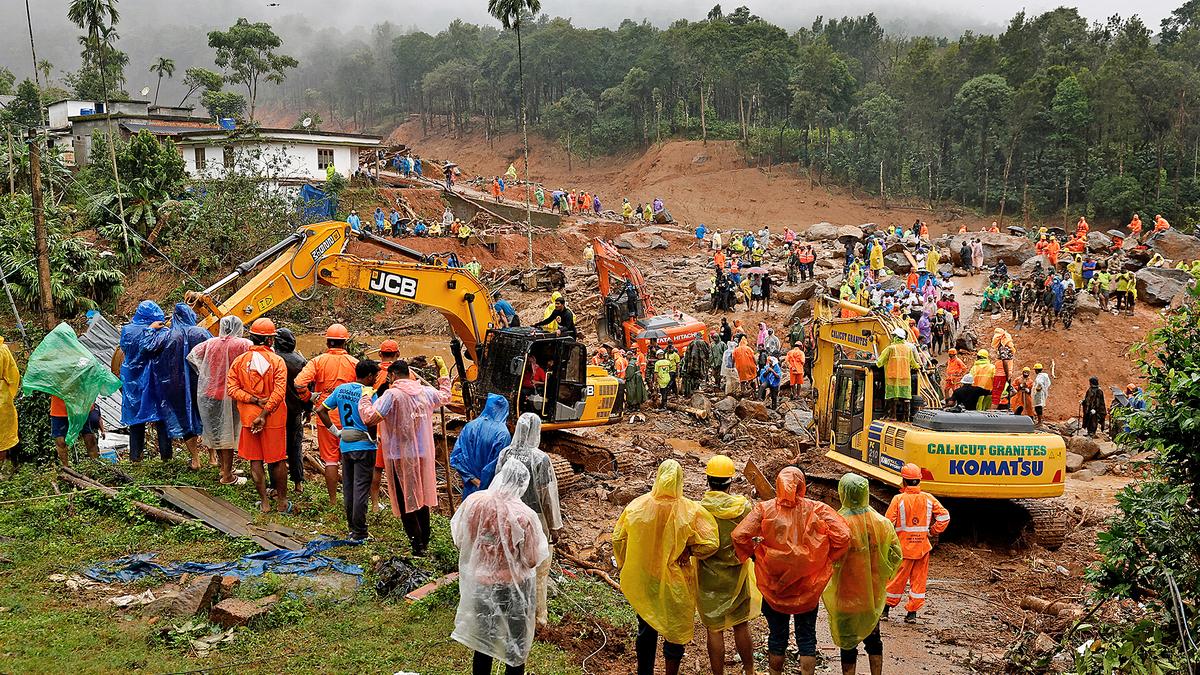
892, 282
895, 259
1158, 286
1098, 241
1027, 268
1085, 447
1087, 305
801, 309
797, 421
755, 410
1175, 245
831, 232
996, 246
790, 295
640, 239
1074, 462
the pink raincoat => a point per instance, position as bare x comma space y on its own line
405, 416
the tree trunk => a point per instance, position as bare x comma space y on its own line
703, 124
1004, 183
525, 142
39, 233
569, 169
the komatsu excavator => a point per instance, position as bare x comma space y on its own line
963, 454
629, 317
574, 393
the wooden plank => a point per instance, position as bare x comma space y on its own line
761, 485
217, 505
205, 511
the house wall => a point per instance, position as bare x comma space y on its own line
61, 111
286, 161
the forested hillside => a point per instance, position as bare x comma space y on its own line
1052, 116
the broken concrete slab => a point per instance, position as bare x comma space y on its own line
238, 612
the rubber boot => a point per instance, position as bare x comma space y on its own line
886, 610
672, 666
911, 617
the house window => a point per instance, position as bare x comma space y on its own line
324, 158
200, 160
228, 157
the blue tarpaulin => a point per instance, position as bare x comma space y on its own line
280, 561
315, 205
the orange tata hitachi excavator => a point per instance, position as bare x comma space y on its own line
629, 317
575, 394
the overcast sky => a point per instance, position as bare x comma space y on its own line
176, 28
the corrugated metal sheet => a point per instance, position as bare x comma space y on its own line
102, 339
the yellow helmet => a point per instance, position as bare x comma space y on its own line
720, 466
982, 353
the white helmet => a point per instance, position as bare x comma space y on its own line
900, 333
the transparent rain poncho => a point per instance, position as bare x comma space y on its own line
857, 591
500, 544
794, 542
405, 416
542, 493
211, 360
728, 594
651, 536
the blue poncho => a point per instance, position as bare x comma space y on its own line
138, 401
175, 379
480, 443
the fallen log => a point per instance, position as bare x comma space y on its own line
694, 412
589, 568
81, 481
1058, 608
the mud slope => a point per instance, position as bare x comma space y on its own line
699, 182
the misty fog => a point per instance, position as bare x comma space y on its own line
178, 30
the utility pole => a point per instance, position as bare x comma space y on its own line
39, 232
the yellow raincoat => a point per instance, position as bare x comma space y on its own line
898, 360
729, 595
10, 382
877, 257
651, 536
553, 325
932, 260
857, 592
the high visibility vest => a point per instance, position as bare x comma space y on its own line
915, 514
897, 367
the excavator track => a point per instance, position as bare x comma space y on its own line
1047, 521
563, 471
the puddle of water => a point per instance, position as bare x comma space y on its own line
689, 446
410, 345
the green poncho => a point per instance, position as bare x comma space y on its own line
728, 593
856, 594
61, 366
635, 385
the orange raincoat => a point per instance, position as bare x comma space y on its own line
794, 542
745, 362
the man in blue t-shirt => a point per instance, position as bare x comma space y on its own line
504, 308
357, 443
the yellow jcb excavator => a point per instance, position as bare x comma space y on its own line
574, 394
965, 454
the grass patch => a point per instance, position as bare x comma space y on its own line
591, 598
44, 626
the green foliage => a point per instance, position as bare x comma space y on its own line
247, 51
152, 176
314, 118
33, 426
6, 81
25, 111
197, 79
585, 595
1148, 551
223, 103
81, 275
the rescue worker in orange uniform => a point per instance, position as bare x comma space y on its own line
1135, 225
320, 376
955, 369
916, 515
1161, 223
1052, 252
795, 364
257, 380
1082, 227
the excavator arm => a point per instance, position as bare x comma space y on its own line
454, 292
611, 263
291, 272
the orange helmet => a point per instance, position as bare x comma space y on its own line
911, 472
389, 347
337, 332
264, 327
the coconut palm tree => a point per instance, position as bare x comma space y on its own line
45, 67
98, 18
163, 66
509, 12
